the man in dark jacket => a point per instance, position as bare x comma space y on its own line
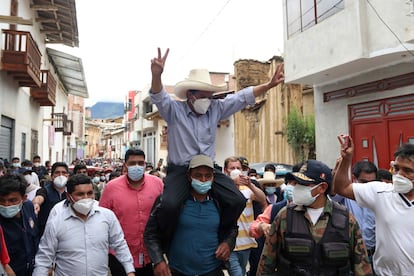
19, 224
197, 228
52, 193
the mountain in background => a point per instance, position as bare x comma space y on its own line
107, 110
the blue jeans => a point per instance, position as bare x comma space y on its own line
238, 261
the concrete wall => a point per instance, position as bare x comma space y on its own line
332, 117
349, 36
15, 101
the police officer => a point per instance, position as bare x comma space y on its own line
314, 235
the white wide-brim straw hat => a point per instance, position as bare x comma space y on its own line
198, 79
269, 178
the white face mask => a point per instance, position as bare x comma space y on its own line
402, 184
60, 181
28, 178
201, 105
302, 195
83, 206
235, 173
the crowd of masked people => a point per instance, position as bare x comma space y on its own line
294, 224
198, 219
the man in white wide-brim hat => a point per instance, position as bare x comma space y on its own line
269, 183
192, 128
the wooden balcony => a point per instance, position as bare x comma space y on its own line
21, 58
68, 129
62, 124
59, 121
45, 95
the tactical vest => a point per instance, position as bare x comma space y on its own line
301, 255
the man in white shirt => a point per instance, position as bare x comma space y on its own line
393, 206
79, 234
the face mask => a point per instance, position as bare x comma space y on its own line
28, 178
102, 178
95, 179
201, 105
200, 187
402, 184
235, 173
83, 206
16, 165
60, 181
10, 211
253, 177
245, 173
28, 168
302, 195
135, 173
288, 194
36, 164
270, 190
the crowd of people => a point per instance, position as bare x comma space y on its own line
198, 219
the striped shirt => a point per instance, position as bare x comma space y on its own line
244, 240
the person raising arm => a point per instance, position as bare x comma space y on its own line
342, 184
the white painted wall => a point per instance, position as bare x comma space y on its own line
349, 48
352, 35
225, 142
332, 117
15, 102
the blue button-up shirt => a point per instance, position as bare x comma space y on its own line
190, 134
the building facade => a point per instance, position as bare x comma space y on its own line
359, 57
37, 114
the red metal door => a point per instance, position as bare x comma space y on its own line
371, 143
400, 132
379, 127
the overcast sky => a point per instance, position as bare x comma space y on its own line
117, 39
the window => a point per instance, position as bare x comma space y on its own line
34, 141
7, 137
149, 146
303, 14
23, 145
128, 106
147, 106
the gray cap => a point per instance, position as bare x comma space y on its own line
201, 160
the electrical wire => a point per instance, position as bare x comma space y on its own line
389, 28
204, 31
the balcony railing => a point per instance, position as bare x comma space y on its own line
45, 95
21, 58
68, 128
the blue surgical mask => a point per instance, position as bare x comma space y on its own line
135, 173
95, 179
288, 194
10, 211
270, 190
201, 187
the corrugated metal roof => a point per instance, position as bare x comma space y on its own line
70, 71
